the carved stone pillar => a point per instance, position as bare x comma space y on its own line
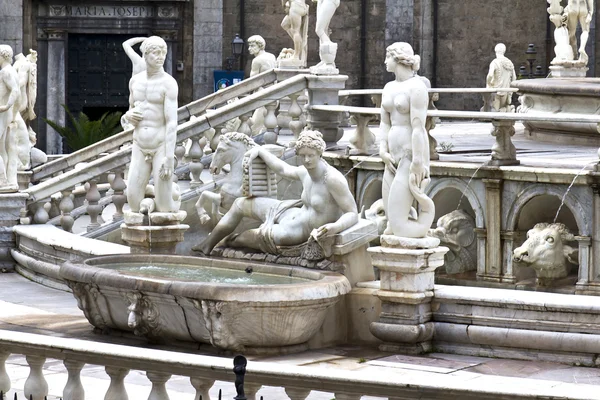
508, 245
407, 281
325, 90
493, 198
481, 245
585, 271
503, 150
56, 88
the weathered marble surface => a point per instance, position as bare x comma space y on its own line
276, 319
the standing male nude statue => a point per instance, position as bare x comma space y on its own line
153, 114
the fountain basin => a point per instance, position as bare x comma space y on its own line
276, 311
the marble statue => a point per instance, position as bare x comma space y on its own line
404, 146
13, 131
456, 230
26, 67
153, 114
566, 21
325, 208
500, 75
295, 23
547, 252
230, 150
262, 62
138, 62
327, 48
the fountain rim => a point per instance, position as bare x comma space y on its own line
322, 285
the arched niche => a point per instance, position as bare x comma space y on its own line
550, 198
370, 190
449, 194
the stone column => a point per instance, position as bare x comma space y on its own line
585, 274
208, 44
595, 265
56, 88
481, 253
324, 89
11, 24
407, 281
493, 199
508, 245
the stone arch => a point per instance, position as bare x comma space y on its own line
529, 192
470, 195
370, 189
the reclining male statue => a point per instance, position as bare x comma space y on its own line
326, 206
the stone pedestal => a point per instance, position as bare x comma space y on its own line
156, 233
559, 71
11, 205
407, 280
325, 90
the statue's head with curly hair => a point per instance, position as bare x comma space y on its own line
6, 52
312, 140
403, 53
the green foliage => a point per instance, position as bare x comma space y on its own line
80, 132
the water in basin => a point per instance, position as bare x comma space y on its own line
202, 274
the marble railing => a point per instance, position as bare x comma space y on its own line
95, 164
503, 150
203, 371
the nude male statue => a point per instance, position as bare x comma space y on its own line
153, 114
294, 24
10, 120
262, 62
579, 11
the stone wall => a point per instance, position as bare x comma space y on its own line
467, 33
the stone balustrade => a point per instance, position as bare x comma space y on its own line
203, 371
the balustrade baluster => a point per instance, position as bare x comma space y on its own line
216, 136
73, 389
297, 393
4, 378
245, 126
159, 391
36, 386
116, 389
295, 111
54, 211
202, 387
66, 206
196, 167
41, 213
93, 208
119, 199
270, 136
179, 153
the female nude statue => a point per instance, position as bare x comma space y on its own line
404, 147
326, 206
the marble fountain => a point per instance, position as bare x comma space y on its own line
474, 256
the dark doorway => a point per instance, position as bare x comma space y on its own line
98, 74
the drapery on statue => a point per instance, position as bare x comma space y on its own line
325, 208
295, 23
404, 147
500, 75
576, 12
153, 114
